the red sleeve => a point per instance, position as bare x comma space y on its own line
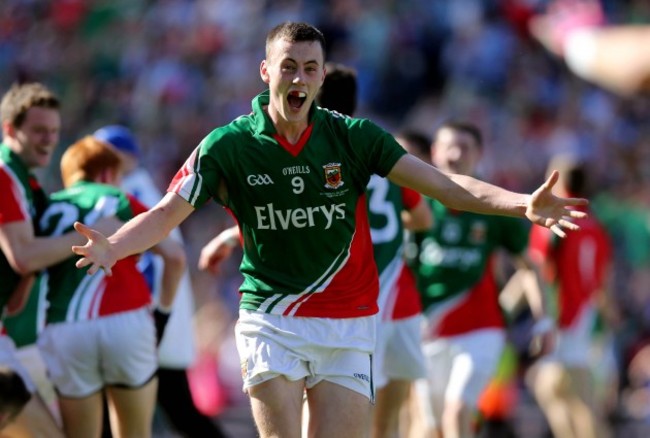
411, 198
136, 206
12, 203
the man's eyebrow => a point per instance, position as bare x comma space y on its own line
311, 61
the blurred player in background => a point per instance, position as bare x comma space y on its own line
14, 395
579, 267
100, 336
176, 351
31, 124
464, 333
398, 359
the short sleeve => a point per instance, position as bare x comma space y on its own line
380, 149
198, 179
13, 207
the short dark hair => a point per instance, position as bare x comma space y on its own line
295, 33
462, 126
576, 180
339, 90
573, 173
21, 97
417, 139
14, 394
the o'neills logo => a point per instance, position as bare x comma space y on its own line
333, 178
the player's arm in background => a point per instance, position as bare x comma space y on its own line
533, 288
219, 249
416, 215
614, 57
173, 255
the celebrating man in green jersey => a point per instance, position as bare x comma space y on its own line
294, 176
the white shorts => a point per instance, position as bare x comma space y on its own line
574, 344
459, 368
85, 356
9, 359
398, 354
338, 350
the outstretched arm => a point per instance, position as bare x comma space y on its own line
137, 235
462, 192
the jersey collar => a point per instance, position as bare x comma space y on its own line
264, 124
14, 161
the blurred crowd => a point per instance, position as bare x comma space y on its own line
172, 70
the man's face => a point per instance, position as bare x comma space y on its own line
35, 140
455, 152
295, 72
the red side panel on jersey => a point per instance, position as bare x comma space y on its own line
355, 287
479, 309
408, 301
127, 287
540, 248
410, 198
137, 207
581, 260
12, 205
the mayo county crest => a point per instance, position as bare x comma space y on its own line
333, 178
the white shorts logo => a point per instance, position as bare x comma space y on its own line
259, 180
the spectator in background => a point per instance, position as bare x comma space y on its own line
176, 350
579, 267
294, 176
88, 343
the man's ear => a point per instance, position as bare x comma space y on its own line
264, 73
8, 129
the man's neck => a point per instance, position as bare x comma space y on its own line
291, 131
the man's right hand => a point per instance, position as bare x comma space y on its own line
96, 252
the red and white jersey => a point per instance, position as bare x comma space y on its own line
577, 264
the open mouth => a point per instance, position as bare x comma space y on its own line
296, 99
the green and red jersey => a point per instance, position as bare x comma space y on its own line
22, 200
454, 268
386, 201
74, 295
17, 204
301, 208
